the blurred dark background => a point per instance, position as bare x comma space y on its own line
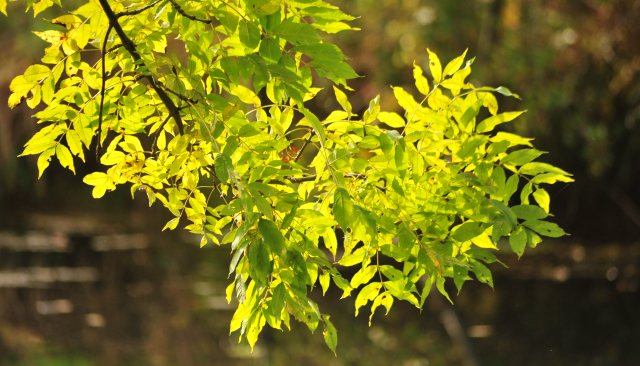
95, 282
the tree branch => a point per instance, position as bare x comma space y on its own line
137, 11
131, 47
306, 142
180, 96
184, 14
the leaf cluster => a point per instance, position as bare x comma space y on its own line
429, 190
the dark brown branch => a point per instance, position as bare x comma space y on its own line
184, 14
306, 142
180, 96
137, 11
114, 48
131, 47
104, 85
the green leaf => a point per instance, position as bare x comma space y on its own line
249, 34
426, 289
440, 287
223, 166
510, 188
470, 113
482, 272
321, 51
272, 236
231, 68
342, 208
330, 334
297, 33
315, 123
518, 240
521, 157
532, 238
288, 219
506, 92
544, 228
470, 145
550, 178
510, 215
484, 255
278, 299
241, 289
334, 70
284, 74
490, 123
270, 50
529, 212
263, 7
467, 231
236, 256
259, 261
538, 168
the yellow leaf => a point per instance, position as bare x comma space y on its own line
65, 158
43, 160
52, 36
69, 21
15, 99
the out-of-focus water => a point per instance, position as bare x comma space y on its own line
111, 289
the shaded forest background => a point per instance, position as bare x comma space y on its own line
576, 65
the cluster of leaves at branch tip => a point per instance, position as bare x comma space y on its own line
429, 190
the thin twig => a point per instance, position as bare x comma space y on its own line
137, 11
104, 85
180, 96
306, 142
131, 47
184, 14
212, 172
114, 48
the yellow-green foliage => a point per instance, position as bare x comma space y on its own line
433, 189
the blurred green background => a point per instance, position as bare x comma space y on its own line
86, 282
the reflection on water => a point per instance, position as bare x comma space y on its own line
81, 290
